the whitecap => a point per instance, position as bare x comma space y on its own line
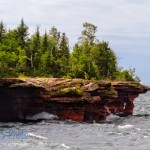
65, 146
126, 126
37, 136
42, 115
112, 117
138, 129
146, 136
115, 133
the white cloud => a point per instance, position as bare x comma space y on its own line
111, 15
114, 18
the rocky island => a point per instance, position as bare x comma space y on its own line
75, 99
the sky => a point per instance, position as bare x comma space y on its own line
125, 24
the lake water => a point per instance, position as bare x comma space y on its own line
128, 133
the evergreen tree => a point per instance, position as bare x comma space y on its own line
22, 34
55, 41
64, 54
64, 47
44, 43
2, 31
104, 60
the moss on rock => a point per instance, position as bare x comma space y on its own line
77, 91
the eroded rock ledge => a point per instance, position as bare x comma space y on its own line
76, 99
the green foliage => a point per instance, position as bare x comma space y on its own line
88, 34
2, 32
127, 75
71, 91
92, 59
22, 34
44, 43
48, 55
7, 64
105, 60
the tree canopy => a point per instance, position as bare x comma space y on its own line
49, 55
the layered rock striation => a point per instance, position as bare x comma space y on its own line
75, 99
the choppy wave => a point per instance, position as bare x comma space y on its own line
125, 126
65, 146
37, 136
42, 115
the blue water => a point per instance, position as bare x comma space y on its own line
128, 133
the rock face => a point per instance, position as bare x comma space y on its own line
19, 100
75, 99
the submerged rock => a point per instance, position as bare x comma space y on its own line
75, 99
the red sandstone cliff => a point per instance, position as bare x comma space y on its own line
76, 99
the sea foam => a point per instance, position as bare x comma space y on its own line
126, 126
37, 136
42, 115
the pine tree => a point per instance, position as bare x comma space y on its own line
64, 47
64, 54
44, 43
104, 58
22, 34
2, 31
55, 41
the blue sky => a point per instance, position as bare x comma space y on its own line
124, 23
